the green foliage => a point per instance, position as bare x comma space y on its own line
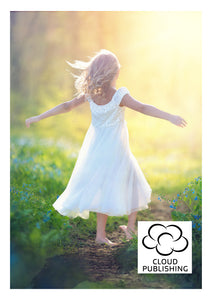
126, 256
97, 285
187, 206
38, 175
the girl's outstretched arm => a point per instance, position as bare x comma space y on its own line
59, 109
151, 110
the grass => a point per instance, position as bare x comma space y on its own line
40, 170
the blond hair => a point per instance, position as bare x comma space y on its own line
97, 74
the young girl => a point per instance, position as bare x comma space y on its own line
106, 178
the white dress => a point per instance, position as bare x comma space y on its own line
106, 177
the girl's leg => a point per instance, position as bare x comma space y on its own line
100, 230
131, 221
130, 226
101, 223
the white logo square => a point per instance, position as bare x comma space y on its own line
165, 247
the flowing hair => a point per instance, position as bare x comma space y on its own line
96, 74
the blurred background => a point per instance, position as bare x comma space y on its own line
160, 57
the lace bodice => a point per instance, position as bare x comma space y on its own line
108, 114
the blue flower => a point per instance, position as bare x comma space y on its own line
200, 226
193, 225
178, 195
175, 200
46, 219
197, 217
171, 206
195, 198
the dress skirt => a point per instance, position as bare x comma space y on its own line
106, 178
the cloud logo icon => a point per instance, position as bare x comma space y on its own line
165, 239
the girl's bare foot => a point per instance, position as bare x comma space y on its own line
105, 241
127, 231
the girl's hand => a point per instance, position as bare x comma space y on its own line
32, 120
177, 120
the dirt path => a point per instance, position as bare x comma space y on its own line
160, 209
97, 263
101, 260
92, 264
